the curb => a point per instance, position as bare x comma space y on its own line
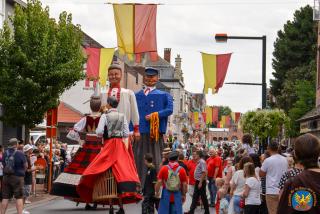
35, 204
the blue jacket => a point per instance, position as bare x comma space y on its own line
155, 101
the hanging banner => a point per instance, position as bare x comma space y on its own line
196, 117
208, 111
215, 114
99, 59
204, 116
215, 69
228, 121
136, 30
223, 121
237, 116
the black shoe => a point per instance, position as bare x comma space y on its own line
87, 207
121, 211
95, 205
111, 210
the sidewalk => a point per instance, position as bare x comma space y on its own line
41, 197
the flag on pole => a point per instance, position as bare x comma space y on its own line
228, 121
223, 121
233, 117
98, 62
196, 117
215, 114
237, 116
204, 116
215, 69
208, 111
136, 29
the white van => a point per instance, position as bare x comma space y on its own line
38, 137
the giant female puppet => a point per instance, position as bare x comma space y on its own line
127, 101
154, 108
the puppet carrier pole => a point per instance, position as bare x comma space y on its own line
105, 188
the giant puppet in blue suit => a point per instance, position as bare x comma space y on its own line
154, 107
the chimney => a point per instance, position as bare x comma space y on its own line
178, 63
167, 54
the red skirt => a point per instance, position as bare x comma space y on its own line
115, 156
65, 184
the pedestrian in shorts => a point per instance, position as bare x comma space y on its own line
13, 178
28, 149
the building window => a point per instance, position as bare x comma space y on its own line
181, 105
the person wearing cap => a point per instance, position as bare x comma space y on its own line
126, 99
13, 183
171, 202
165, 156
155, 106
28, 149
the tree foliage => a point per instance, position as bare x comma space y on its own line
224, 111
40, 59
294, 47
306, 93
264, 123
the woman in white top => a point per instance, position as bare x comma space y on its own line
247, 143
237, 185
252, 190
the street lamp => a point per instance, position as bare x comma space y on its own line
222, 37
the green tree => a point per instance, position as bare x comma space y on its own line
306, 93
224, 111
40, 59
265, 123
294, 47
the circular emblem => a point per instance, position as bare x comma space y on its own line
302, 200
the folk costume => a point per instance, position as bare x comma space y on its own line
66, 183
112, 174
159, 105
127, 104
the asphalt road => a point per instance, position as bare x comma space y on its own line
61, 206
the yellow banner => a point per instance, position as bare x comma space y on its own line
124, 21
196, 117
209, 62
106, 56
223, 121
208, 111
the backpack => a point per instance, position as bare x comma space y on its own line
173, 182
9, 160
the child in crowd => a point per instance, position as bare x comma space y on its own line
149, 186
224, 203
251, 191
220, 186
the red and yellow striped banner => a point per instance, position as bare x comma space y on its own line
215, 69
98, 62
136, 29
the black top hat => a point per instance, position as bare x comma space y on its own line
151, 71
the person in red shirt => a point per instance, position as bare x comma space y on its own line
191, 168
214, 164
171, 202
